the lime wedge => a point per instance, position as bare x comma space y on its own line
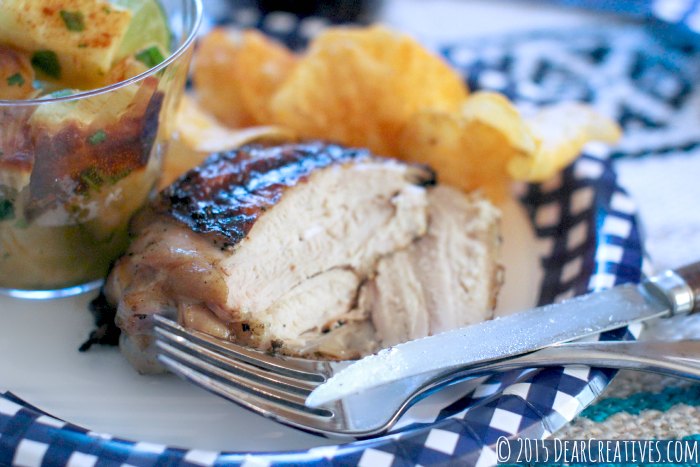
148, 27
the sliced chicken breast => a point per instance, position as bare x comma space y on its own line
306, 249
273, 242
446, 279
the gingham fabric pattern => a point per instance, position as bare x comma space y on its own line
589, 239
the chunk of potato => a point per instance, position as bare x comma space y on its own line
16, 75
82, 35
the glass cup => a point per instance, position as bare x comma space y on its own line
75, 168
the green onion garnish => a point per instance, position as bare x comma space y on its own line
74, 20
91, 178
97, 137
7, 210
46, 61
15, 80
150, 56
114, 178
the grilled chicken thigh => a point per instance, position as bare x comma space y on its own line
307, 249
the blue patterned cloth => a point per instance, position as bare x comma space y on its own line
675, 21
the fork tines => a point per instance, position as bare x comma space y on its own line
265, 383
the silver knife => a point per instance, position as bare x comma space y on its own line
665, 295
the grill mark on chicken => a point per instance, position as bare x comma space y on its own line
227, 194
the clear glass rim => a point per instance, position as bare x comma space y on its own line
47, 294
192, 34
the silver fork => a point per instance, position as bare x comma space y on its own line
277, 386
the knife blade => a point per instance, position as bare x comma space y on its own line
670, 293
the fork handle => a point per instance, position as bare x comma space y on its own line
680, 288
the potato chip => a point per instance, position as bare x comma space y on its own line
496, 111
465, 153
488, 143
472, 147
263, 65
375, 88
216, 80
199, 134
179, 159
561, 131
235, 74
360, 86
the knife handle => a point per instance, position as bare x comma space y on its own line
680, 288
691, 275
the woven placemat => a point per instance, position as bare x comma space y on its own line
640, 407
